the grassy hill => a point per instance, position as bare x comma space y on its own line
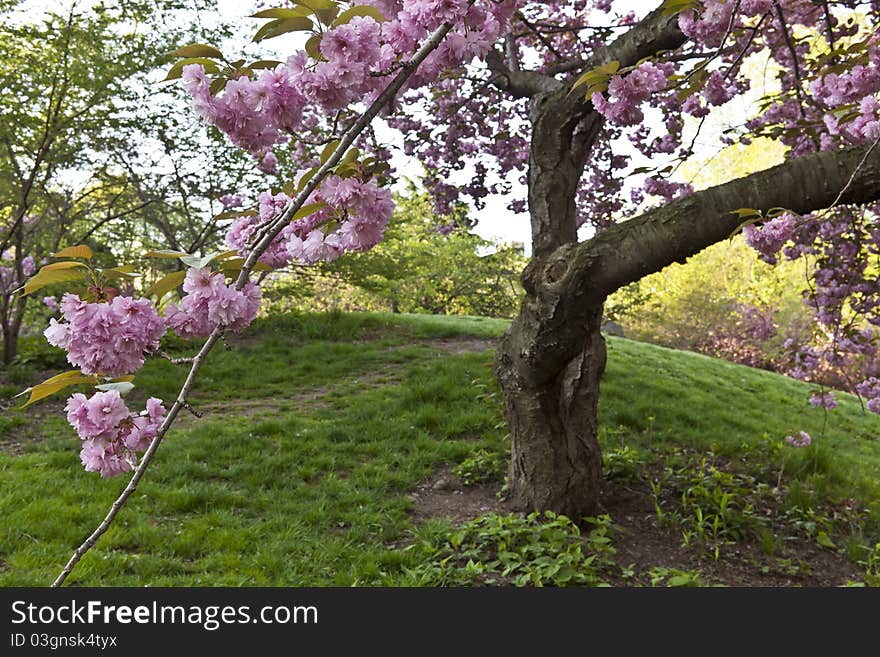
356, 449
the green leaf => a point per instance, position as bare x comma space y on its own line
225, 255
56, 384
197, 262
328, 151
64, 264
353, 155
176, 71
198, 50
313, 46
125, 271
283, 12
235, 265
265, 63
318, 5
281, 26
194, 261
44, 278
165, 284
823, 539
164, 253
359, 10
218, 85
80, 251
122, 387
327, 16
234, 214
306, 210
745, 213
673, 7
597, 79
304, 180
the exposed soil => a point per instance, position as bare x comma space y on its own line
457, 346
444, 496
642, 544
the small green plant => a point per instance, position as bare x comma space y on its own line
788, 567
716, 508
871, 562
661, 576
536, 550
623, 464
484, 466
21, 373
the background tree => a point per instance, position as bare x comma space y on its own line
84, 157
420, 266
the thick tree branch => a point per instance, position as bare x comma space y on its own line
519, 84
565, 288
628, 251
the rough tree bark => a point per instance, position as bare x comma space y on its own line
550, 361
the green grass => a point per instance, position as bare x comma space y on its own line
655, 398
309, 484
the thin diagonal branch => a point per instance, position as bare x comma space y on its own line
269, 234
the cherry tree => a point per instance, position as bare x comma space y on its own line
558, 95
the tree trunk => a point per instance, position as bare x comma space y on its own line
10, 344
11, 326
555, 461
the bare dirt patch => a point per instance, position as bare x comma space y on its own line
444, 496
458, 346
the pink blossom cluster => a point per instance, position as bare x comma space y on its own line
870, 389
628, 92
112, 435
258, 113
353, 218
824, 399
362, 211
803, 439
241, 232
210, 303
107, 338
710, 23
769, 239
9, 279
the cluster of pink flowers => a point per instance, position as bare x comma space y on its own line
771, 236
9, 279
360, 211
210, 303
803, 439
111, 339
824, 399
108, 338
870, 390
112, 435
628, 92
241, 232
709, 25
259, 113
